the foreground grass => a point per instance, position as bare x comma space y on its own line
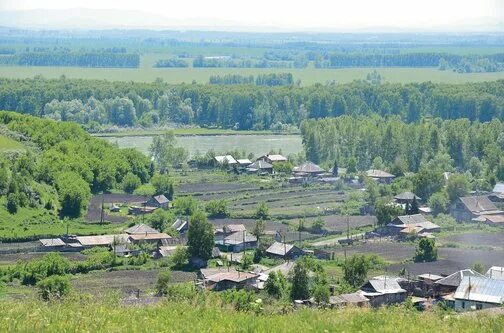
206, 315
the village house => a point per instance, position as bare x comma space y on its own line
406, 197
272, 158
159, 239
353, 299
139, 210
383, 290
307, 169
244, 162
284, 251
497, 193
448, 285
380, 176
224, 160
227, 278
238, 242
495, 272
474, 207
102, 240
158, 201
477, 293
260, 167
412, 224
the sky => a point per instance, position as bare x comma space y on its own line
295, 14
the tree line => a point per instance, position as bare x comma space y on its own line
244, 107
171, 63
270, 79
418, 59
361, 143
73, 59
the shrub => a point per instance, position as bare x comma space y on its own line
217, 208
54, 287
426, 251
179, 256
162, 283
262, 211
130, 183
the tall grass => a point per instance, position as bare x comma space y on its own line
84, 314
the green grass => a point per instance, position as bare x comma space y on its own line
308, 76
7, 144
31, 222
208, 314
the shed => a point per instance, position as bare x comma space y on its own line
283, 250
260, 166
380, 176
383, 290
273, 158
159, 201
406, 197
308, 168
495, 272
180, 225
353, 299
223, 159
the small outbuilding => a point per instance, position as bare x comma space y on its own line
284, 251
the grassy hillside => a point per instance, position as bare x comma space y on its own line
86, 315
7, 144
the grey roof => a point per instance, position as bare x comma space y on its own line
141, 229
285, 268
161, 199
412, 219
353, 298
260, 164
225, 158
274, 157
309, 167
239, 238
481, 289
52, 242
280, 249
495, 272
179, 224
379, 174
230, 228
101, 240
406, 196
454, 279
382, 285
244, 161
498, 188
429, 276
478, 204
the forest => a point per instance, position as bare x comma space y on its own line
362, 143
245, 106
73, 59
64, 166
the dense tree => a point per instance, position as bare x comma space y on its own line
276, 285
300, 289
130, 182
200, 237
355, 270
457, 186
426, 251
386, 212
73, 192
262, 211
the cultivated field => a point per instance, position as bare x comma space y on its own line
94, 208
308, 76
126, 281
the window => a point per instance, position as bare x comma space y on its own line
479, 306
463, 305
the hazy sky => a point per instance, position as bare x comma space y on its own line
299, 14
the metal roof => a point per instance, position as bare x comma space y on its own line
373, 173
179, 224
161, 199
244, 161
383, 285
481, 289
406, 196
156, 236
141, 229
101, 240
455, 278
478, 204
498, 188
234, 228
428, 276
225, 158
280, 249
308, 167
260, 164
52, 242
239, 238
495, 272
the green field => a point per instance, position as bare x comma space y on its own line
7, 144
308, 76
186, 132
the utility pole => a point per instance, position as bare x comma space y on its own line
244, 243
101, 211
285, 248
348, 228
